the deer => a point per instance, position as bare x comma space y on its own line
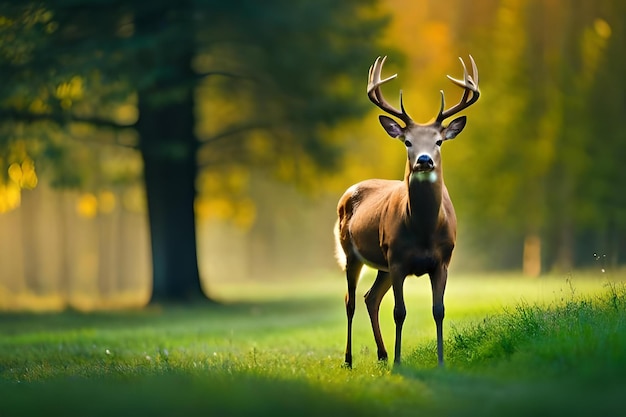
402, 227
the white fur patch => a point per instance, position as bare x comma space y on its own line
430, 176
339, 253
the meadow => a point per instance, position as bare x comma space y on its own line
514, 346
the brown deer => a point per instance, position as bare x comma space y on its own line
405, 227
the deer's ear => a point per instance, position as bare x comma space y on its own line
454, 128
392, 128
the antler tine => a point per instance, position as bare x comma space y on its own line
474, 71
402, 104
466, 76
443, 103
376, 96
469, 85
375, 73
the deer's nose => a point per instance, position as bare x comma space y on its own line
424, 163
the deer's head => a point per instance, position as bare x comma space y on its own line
423, 141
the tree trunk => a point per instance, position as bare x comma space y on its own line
565, 252
168, 147
532, 255
30, 249
168, 150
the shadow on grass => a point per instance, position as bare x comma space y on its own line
176, 394
162, 314
460, 393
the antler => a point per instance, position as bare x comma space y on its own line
469, 84
376, 96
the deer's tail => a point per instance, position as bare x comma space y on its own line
340, 255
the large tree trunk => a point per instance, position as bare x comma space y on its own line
168, 147
169, 155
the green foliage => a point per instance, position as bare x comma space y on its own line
279, 76
287, 68
542, 141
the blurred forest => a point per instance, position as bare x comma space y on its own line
150, 149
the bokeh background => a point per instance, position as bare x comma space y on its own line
150, 151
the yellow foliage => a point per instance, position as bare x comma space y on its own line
222, 197
21, 176
29, 175
24, 174
593, 44
233, 181
10, 197
87, 205
70, 91
259, 144
602, 28
237, 180
15, 172
126, 114
38, 106
220, 208
242, 213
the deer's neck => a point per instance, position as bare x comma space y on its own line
424, 202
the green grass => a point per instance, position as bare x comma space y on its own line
515, 347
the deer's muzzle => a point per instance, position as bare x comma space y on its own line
424, 163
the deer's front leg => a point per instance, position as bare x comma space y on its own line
399, 311
438, 280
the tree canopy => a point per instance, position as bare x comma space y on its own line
272, 77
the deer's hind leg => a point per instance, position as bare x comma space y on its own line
353, 271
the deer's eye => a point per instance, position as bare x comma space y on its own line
439, 142
408, 144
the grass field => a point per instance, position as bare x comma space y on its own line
514, 347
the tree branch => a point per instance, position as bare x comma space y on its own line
64, 119
236, 130
59, 118
225, 134
227, 74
